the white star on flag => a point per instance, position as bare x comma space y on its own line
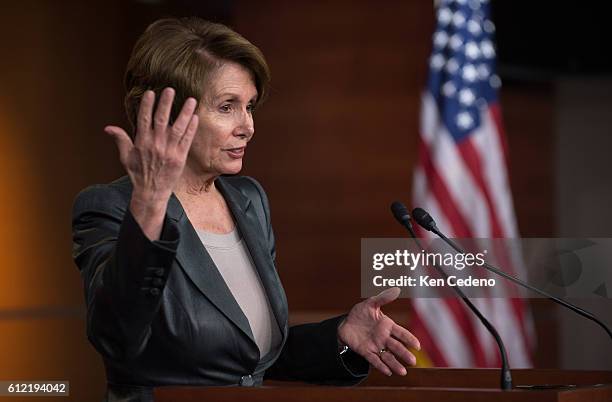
464, 120
471, 50
470, 73
466, 96
455, 41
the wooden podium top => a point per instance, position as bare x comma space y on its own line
430, 384
488, 378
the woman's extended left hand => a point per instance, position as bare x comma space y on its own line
383, 343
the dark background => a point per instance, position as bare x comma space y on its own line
335, 143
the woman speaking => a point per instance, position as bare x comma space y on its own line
177, 257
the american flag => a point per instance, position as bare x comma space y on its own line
461, 179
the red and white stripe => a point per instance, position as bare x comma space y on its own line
465, 187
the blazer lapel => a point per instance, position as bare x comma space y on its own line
253, 235
200, 268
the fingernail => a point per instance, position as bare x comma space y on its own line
389, 374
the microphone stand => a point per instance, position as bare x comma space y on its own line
506, 377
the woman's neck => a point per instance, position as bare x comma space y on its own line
203, 203
194, 184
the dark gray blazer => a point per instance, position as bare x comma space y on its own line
161, 314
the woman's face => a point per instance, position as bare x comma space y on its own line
226, 122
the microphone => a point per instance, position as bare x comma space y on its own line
426, 222
401, 214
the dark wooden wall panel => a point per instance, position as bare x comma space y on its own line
60, 78
529, 118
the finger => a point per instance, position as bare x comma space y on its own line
182, 121
378, 364
192, 128
405, 337
385, 297
145, 111
400, 352
123, 141
162, 112
393, 364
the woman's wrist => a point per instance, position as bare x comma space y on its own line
342, 347
149, 213
150, 198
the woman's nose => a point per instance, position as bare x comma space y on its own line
246, 127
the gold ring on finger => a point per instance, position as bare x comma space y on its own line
380, 352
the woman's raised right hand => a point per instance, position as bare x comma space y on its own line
156, 158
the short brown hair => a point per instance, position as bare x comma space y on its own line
182, 54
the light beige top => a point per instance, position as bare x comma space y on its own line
234, 262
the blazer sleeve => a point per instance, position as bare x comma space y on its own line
311, 351
123, 272
311, 354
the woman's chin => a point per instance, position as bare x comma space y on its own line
233, 167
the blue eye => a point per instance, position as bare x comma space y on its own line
250, 108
